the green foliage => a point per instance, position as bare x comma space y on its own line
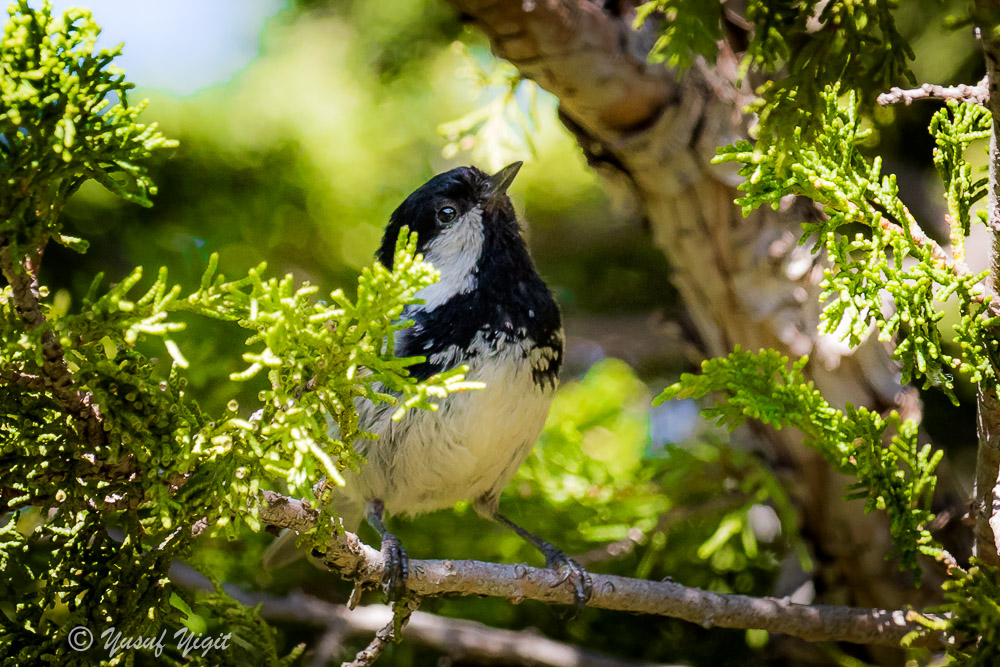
312, 353
816, 45
690, 28
64, 118
955, 128
974, 616
231, 617
894, 472
595, 461
831, 171
160, 469
808, 45
167, 441
810, 135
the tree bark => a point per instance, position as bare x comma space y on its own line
346, 554
745, 281
986, 507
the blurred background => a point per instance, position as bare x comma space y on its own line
302, 125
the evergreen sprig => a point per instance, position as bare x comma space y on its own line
895, 473
868, 266
93, 520
973, 615
955, 128
168, 469
806, 46
689, 28
64, 118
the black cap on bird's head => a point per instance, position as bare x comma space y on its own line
448, 199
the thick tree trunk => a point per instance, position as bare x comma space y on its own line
744, 280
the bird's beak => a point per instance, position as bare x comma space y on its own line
500, 181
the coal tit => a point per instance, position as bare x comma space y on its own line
491, 311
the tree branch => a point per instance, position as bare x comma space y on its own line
346, 554
26, 380
383, 637
986, 507
603, 94
458, 638
973, 94
55, 373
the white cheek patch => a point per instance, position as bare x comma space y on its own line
455, 253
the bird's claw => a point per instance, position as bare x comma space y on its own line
570, 570
397, 567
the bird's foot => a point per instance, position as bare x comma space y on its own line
570, 570
397, 567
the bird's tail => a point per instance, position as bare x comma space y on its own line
283, 551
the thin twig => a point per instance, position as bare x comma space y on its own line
385, 635
973, 94
346, 554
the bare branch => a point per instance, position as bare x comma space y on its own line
457, 638
386, 634
346, 554
602, 94
973, 94
460, 639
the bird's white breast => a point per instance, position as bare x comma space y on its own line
470, 447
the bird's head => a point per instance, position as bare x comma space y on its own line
453, 214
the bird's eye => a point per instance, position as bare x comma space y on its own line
447, 214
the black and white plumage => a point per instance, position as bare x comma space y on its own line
492, 311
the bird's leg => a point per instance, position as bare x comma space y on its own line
555, 559
397, 563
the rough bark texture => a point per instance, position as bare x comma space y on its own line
744, 280
461, 640
987, 495
346, 554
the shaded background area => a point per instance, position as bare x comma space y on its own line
303, 125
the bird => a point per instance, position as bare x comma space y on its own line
491, 311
